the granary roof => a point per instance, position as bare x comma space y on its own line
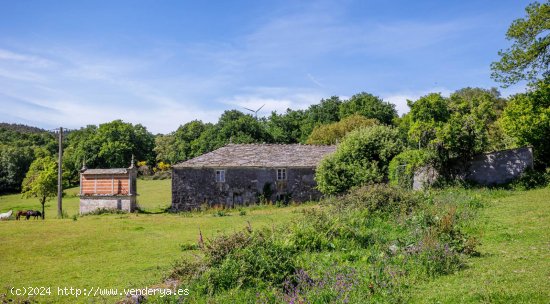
105, 171
260, 155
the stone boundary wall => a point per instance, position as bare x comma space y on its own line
489, 169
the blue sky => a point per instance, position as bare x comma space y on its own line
164, 63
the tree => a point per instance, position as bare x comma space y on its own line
185, 139
473, 113
331, 133
80, 148
286, 128
529, 56
117, 141
14, 163
110, 145
361, 158
369, 106
165, 149
459, 126
326, 111
41, 180
527, 120
233, 127
19, 145
428, 114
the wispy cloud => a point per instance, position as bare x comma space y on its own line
34, 61
291, 58
315, 81
274, 99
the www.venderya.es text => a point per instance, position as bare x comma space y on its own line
96, 291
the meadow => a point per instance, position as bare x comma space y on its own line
110, 250
514, 265
139, 250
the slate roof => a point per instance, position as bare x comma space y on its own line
106, 171
260, 155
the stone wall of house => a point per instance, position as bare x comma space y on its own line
487, 169
192, 187
125, 203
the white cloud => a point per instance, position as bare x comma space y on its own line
279, 102
170, 83
34, 61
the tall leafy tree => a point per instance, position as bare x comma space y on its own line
181, 145
527, 120
286, 128
332, 133
19, 146
428, 114
369, 106
529, 56
233, 127
165, 149
111, 145
14, 163
325, 112
41, 180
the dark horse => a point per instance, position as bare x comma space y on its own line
27, 214
34, 213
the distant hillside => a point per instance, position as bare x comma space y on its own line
20, 128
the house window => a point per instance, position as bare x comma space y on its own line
281, 174
220, 176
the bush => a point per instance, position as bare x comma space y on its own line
361, 158
262, 262
373, 243
404, 165
531, 179
379, 198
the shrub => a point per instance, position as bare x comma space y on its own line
373, 243
403, 166
531, 179
379, 198
361, 158
217, 249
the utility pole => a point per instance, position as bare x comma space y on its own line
59, 176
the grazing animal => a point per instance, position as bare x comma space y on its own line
7, 215
20, 213
34, 213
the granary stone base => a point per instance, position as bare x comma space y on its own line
91, 203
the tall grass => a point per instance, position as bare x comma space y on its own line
371, 245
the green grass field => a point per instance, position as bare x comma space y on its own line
514, 266
110, 250
138, 250
154, 196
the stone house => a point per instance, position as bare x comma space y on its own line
108, 189
242, 174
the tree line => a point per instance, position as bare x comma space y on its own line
469, 121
